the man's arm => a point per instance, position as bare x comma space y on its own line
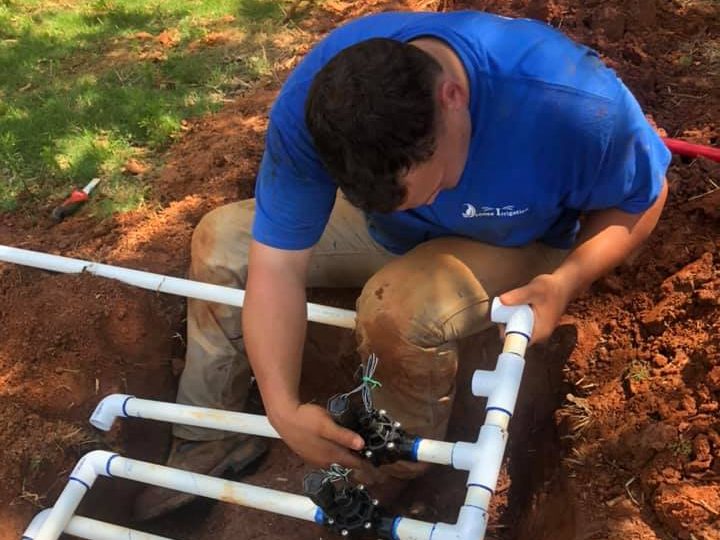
606, 239
274, 324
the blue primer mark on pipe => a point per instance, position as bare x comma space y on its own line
80, 482
499, 409
432, 531
107, 465
415, 447
396, 523
26, 538
518, 332
124, 410
492, 491
319, 516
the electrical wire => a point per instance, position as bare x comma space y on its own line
367, 384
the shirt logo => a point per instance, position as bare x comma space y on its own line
469, 211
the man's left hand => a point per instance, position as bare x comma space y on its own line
548, 296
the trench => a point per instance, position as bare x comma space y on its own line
532, 502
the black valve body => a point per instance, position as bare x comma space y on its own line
385, 441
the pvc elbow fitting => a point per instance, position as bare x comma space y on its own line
517, 319
471, 525
92, 465
445, 531
81, 480
109, 408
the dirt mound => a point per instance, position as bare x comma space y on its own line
641, 423
67, 341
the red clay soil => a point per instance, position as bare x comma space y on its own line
617, 433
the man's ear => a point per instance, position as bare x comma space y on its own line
451, 95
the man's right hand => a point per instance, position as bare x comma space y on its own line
275, 298
312, 433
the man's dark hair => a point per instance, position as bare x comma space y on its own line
371, 114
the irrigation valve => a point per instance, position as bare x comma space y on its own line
348, 509
385, 441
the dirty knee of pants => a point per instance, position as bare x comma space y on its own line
217, 372
411, 314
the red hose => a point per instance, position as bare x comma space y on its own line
683, 148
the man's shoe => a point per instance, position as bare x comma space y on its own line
212, 458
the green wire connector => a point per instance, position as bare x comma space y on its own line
373, 383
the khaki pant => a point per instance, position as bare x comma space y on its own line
411, 312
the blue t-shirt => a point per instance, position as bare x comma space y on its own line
554, 133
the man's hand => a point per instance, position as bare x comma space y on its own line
605, 240
548, 297
314, 436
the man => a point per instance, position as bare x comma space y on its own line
466, 147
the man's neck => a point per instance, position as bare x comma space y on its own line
446, 57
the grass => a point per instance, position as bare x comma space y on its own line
682, 447
580, 414
638, 371
87, 84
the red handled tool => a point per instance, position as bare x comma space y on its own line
76, 199
682, 148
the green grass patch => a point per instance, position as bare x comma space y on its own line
638, 371
682, 447
86, 84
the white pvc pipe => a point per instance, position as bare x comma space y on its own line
126, 406
270, 500
63, 510
343, 318
104, 463
471, 525
412, 529
477, 496
482, 459
91, 529
82, 478
497, 418
430, 451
